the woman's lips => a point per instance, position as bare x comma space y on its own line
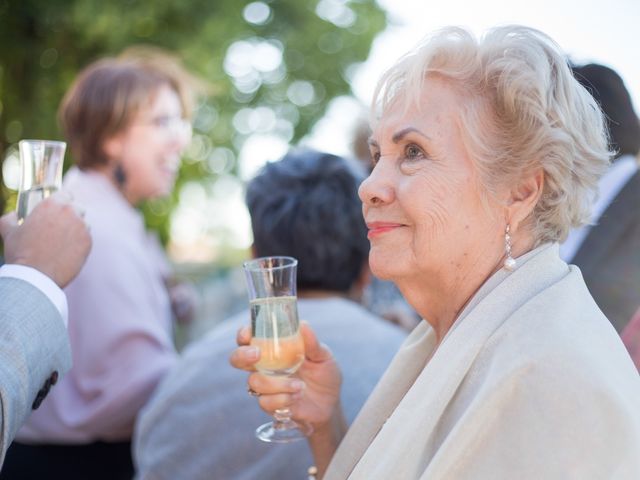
380, 228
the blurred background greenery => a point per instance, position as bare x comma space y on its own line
274, 66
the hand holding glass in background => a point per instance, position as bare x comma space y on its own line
275, 330
40, 173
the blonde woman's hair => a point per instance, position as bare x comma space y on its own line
522, 110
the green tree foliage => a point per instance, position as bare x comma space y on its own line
290, 57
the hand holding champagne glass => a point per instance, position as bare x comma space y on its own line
40, 173
275, 330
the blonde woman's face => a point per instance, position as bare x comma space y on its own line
423, 202
149, 150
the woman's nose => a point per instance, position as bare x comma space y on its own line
376, 189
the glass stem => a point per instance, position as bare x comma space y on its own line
282, 416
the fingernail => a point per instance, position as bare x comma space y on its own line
296, 385
253, 353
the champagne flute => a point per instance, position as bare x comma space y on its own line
40, 173
275, 330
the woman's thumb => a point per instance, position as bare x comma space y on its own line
313, 349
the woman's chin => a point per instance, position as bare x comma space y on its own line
382, 270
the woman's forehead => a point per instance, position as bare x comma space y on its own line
437, 105
162, 98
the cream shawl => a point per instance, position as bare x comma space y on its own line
531, 382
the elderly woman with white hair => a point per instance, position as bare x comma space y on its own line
486, 153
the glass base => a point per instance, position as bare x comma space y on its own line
285, 431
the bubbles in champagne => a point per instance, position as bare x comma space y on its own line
274, 325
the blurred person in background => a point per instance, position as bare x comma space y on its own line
43, 255
608, 250
631, 338
200, 422
487, 152
127, 122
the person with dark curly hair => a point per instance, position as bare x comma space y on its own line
306, 206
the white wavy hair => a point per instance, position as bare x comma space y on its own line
522, 110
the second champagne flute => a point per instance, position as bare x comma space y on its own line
40, 173
275, 330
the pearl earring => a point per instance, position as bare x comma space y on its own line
510, 262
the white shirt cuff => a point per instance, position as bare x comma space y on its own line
41, 282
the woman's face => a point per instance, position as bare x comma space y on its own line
149, 149
422, 202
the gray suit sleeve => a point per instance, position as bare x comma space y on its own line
33, 345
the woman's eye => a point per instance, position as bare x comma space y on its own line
375, 158
413, 152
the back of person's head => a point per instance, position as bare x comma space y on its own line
609, 91
306, 206
106, 96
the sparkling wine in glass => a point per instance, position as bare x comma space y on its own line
40, 173
275, 330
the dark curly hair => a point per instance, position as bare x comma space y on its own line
306, 205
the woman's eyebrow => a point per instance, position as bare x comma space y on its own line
405, 131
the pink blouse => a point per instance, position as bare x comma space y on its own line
119, 325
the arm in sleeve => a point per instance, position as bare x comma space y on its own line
42, 282
33, 344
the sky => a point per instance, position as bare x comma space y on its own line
601, 31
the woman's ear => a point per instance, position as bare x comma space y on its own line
113, 146
524, 197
